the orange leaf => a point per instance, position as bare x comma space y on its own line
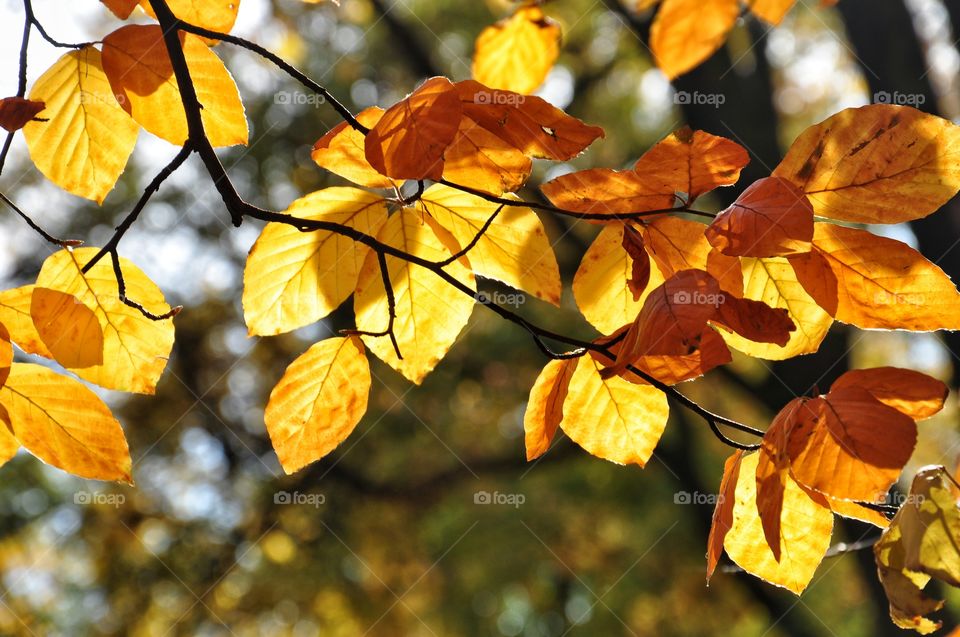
909, 392
6, 354
640, 262
216, 15
15, 112
528, 123
410, 139
341, 151
15, 315
723, 512
771, 11
136, 63
876, 283
687, 32
685, 164
545, 406
771, 218
484, 161
677, 244
876, 164
121, 8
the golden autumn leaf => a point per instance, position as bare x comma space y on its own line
526, 122
612, 418
600, 285
722, 520
517, 53
771, 218
876, 283
921, 544
409, 140
545, 406
136, 62
514, 249
910, 392
216, 15
771, 11
135, 348
681, 167
341, 151
774, 282
677, 244
320, 399
64, 424
6, 354
429, 313
9, 445
484, 161
15, 112
70, 330
805, 530
15, 315
876, 164
295, 278
82, 113
686, 32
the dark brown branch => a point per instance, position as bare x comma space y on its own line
391, 308
122, 293
63, 243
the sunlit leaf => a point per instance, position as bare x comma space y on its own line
341, 151
82, 114
545, 406
909, 392
64, 424
15, 112
216, 15
320, 399
517, 53
686, 32
483, 161
15, 315
295, 278
771, 11
722, 520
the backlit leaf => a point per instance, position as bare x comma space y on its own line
341, 151
545, 406
15, 112
686, 32
6, 354
216, 15
722, 520
84, 115
909, 392
771, 11
483, 161
295, 278
517, 53
320, 399
15, 315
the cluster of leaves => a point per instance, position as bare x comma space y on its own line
669, 295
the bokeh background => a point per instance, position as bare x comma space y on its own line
385, 536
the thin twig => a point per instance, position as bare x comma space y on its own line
122, 293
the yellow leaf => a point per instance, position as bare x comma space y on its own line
771, 11
216, 15
295, 278
600, 284
805, 529
687, 32
68, 328
341, 152
612, 418
876, 283
514, 249
545, 406
136, 62
516, 53
83, 116
774, 282
135, 348
15, 314
876, 164
64, 424
429, 312
320, 399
